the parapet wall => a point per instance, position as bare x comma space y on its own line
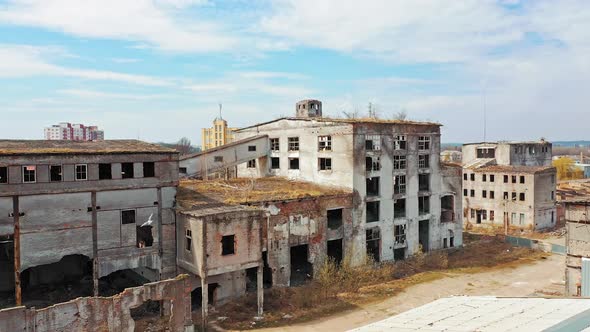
98, 314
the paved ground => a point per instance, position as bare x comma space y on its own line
543, 276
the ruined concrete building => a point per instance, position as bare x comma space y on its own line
403, 198
577, 270
79, 212
509, 184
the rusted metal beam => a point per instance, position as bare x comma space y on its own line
17, 285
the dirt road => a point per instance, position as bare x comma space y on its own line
544, 275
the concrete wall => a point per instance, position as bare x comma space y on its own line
105, 313
513, 154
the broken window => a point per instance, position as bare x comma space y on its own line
423, 143
373, 142
492, 194
491, 215
424, 161
492, 177
127, 170
400, 234
447, 205
182, 170
29, 174
334, 218
293, 143
189, 240
275, 163
513, 195
55, 174
149, 169
505, 178
144, 236
252, 163
522, 197
251, 148
373, 241
228, 245
399, 186
424, 182
274, 144
293, 163
104, 172
399, 208
514, 179
486, 153
372, 186
325, 164
522, 179
399, 162
81, 172
505, 195
128, 217
484, 214
372, 212
373, 163
423, 205
3, 174
218, 159
324, 143
400, 142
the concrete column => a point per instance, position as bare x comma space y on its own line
260, 289
204, 303
94, 244
17, 285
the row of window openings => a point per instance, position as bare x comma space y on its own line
29, 172
531, 149
324, 164
492, 178
492, 194
399, 185
372, 143
228, 243
399, 162
399, 208
483, 215
324, 144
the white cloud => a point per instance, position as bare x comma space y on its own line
272, 74
94, 94
143, 21
124, 60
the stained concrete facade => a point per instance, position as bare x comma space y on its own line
383, 162
509, 185
88, 198
577, 216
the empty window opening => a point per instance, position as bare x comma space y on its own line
400, 142
373, 164
372, 212
335, 250
399, 162
399, 186
293, 143
127, 170
424, 161
522, 197
492, 215
251, 163
325, 164
373, 143
513, 196
423, 143
465, 176
105, 172
484, 194
424, 205
334, 218
472, 176
274, 144
492, 177
472, 193
522, 179
486, 153
372, 186
399, 208
266, 271
373, 241
188, 243
514, 179
400, 235
218, 159
127, 217
424, 234
275, 163
55, 174
447, 205
293, 163
228, 245
325, 143
399, 254
251, 148
505, 178
29, 174
492, 194
182, 170
424, 182
6, 267
81, 172
252, 279
484, 177
149, 169
445, 243
451, 239
144, 235
301, 268
3, 174
465, 192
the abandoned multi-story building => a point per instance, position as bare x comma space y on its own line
577, 269
402, 197
509, 184
78, 212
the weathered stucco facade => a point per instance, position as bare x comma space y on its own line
577, 217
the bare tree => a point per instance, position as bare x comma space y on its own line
401, 115
183, 146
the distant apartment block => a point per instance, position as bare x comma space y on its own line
219, 134
509, 184
73, 132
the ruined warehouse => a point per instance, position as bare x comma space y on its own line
77, 212
509, 184
402, 198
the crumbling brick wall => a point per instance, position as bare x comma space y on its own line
98, 314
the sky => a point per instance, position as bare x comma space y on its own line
158, 69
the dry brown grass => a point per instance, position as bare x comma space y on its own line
339, 289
